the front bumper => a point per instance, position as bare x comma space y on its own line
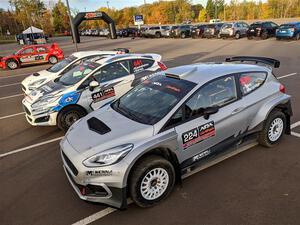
100, 184
286, 35
43, 119
2, 65
226, 35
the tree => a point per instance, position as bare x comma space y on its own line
202, 17
210, 9
60, 17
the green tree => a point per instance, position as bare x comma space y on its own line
202, 17
60, 17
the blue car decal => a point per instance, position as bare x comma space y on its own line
67, 99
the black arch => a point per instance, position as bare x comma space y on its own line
94, 16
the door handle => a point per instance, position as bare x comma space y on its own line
237, 110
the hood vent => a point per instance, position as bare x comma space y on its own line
98, 126
36, 74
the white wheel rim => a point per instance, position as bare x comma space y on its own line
53, 60
154, 184
275, 129
12, 65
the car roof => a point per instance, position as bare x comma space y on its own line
291, 23
204, 72
88, 53
113, 58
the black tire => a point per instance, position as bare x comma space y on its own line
182, 35
52, 59
12, 64
68, 116
249, 37
237, 35
158, 35
264, 138
297, 37
141, 170
264, 35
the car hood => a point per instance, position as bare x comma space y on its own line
36, 76
121, 130
49, 88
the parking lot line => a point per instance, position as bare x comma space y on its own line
288, 75
8, 85
30, 147
95, 216
11, 76
12, 115
293, 126
11, 96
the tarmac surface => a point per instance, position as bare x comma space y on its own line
258, 186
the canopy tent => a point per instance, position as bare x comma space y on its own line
33, 30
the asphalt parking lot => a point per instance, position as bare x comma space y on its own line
258, 186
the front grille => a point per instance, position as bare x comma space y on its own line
27, 110
70, 164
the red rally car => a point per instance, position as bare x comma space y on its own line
32, 54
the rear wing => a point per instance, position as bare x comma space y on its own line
123, 50
264, 60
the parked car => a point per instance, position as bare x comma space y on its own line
288, 31
86, 87
197, 31
166, 127
166, 31
263, 30
156, 31
32, 54
234, 29
129, 32
212, 30
36, 80
180, 31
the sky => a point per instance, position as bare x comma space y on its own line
91, 5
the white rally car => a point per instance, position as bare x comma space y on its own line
38, 79
86, 87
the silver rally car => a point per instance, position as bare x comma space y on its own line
169, 125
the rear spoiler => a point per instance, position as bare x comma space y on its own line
123, 50
268, 61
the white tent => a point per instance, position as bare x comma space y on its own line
32, 29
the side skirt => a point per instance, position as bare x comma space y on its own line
218, 153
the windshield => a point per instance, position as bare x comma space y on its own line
286, 26
77, 73
61, 64
227, 25
150, 101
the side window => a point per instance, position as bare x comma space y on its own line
139, 65
112, 71
27, 51
175, 119
251, 81
216, 93
273, 25
41, 49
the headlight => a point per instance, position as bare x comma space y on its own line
45, 101
109, 156
38, 82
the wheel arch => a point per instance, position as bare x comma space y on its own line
282, 104
162, 151
69, 106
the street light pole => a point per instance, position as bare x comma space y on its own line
72, 26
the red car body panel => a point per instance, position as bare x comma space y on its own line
33, 54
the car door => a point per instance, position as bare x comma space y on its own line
41, 53
26, 56
199, 136
115, 80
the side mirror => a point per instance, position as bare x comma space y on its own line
93, 84
209, 111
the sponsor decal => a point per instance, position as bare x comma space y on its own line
93, 15
201, 155
198, 134
104, 94
100, 173
139, 66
